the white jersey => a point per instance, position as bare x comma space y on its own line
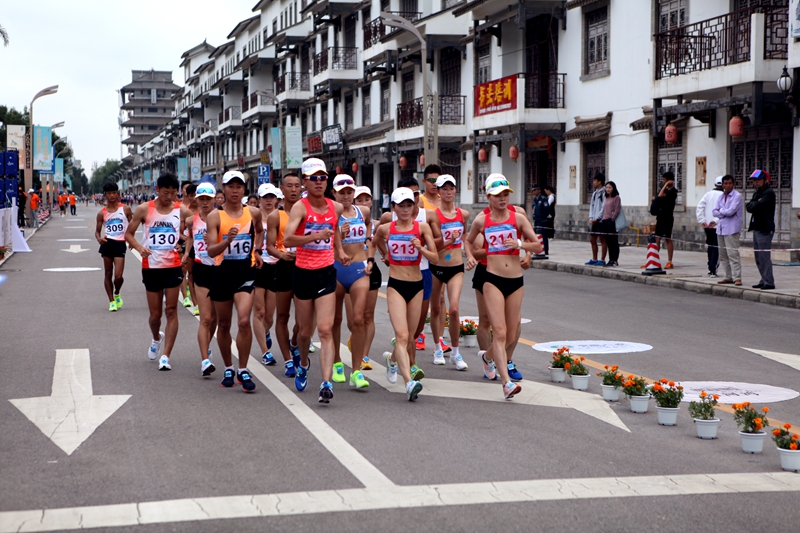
268, 259
115, 224
199, 230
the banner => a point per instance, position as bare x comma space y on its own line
42, 148
147, 180
59, 170
294, 146
794, 19
183, 169
195, 169
496, 96
275, 139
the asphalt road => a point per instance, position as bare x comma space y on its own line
184, 454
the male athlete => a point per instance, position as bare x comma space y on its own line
114, 218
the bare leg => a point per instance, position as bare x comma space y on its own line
369, 321
358, 296
171, 312
403, 316
119, 268
108, 272
484, 332
454, 287
283, 307
259, 314
243, 301
224, 311
337, 323
437, 312
502, 311
154, 304
208, 321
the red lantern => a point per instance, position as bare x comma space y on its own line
736, 127
338, 169
671, 134
422, 160
403, 161
355, 167
483, 155
514, 153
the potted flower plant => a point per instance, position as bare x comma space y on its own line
469, 332
788, 447
635, 388
750, 423
612, 381
427, 327
668, 397
578, 372
702, 411
2, 252
561, 358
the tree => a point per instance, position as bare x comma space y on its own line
4, 35
11, 117
101, 173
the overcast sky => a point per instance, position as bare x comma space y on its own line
89, 47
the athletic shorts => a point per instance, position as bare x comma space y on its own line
446, 273
158, 279
507, 286
113, 248
265, 276
230, 279
427, 284
407, 289
203, 275
347, 275
478, 277
597, 228
313, 284
664, 227
375, 278
282, 281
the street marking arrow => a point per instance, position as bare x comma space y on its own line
785, 358
75, 249
71, 413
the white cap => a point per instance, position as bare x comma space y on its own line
279, 194
445, 178
342, 181
267, 188
312, 166
361, 189
497, 183
30, 190
402, 194
206, 189
233, 175
718, 181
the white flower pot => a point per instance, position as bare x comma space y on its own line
752, 442
427, 329
667, 416
706, 429
610, 393
557, 375
469, 341
790, 459
445, 334
639, 404
580, 382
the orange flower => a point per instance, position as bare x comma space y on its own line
631, 376
606, 367
757, 420
680, 387
566, 366
716, 396
583, 358
597, 373
614, 368
746, 404
703, 394
663, 380
793, 446
796, 436
776, 432
787, 426
737, 406
758, 426
765, 409
671, 383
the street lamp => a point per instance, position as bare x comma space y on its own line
57, 125
28, 153
785, 84
274, 100
201, 126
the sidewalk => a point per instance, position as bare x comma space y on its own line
690, 272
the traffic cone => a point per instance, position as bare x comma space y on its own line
653, 264
541, 255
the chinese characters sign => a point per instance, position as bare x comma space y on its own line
495, 96
42, 148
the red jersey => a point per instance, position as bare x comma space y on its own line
316, 254
496, 233
401, 251
451, 227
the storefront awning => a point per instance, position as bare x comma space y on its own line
589, 128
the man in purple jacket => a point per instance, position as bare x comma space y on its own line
729, 210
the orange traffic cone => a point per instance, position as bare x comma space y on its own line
653, 264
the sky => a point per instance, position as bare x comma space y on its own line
89, 47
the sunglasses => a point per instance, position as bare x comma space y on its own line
345, 181
317, 177
431, 180
498, 183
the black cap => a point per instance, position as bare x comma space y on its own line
535, 187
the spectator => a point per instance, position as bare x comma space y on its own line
22, 201
595, 216
34, 209
729, 212
551, 218
706, 218
611, 210
665, 218
541, 210
385, 201
762, 224
72, 204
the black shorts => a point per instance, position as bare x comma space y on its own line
113, 248
478, 277
158, 279
282, 279
313, 284
407, 289
375, 278
203, 275
664, 227
507, 286
446, 273
597, 229
229, 279
265, 276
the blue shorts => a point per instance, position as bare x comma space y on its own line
347, 275
427, 284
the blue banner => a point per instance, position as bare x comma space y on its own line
275, 138
183, 169
59, 170
42, 148
147, 180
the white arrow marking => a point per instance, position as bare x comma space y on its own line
785, 358
71, 413
70, 269
74, 249
73, 240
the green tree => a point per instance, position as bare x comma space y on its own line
103, 171
11, 117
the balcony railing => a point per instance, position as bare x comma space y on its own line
293, 81
544, 90
720, 41
321, 62
342, 58
375, 29
233, 112
451, 111
260, 99
212, 123
245, 104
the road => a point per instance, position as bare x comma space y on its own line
172, 451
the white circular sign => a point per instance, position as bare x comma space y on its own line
734, 392
475, 319
70, 269
593, 347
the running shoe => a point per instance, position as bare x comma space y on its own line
155, 347
365, 364
187, 302
209, 353
112, 306
489, 368
421, 342
118, 300
289, 369
227, 379
163, 363
413, 388
417, 373
391, 368
196, 311
248, 385
267, 359
326, 392
338, 372
207, 368
510, 389
513, 373
269, 341
458, 361
295, 355
446, 347
394, 341
438, 357
301, 378
312, 348
357, 380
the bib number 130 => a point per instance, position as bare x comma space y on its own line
162, 241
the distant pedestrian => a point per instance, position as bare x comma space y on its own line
762, 224
550, 191
665, 217
34, 209
385, 201
611, 210
729, 210
22, 200
706, 218
595, 216
540, 209
72, 204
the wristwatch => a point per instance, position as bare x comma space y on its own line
258, 251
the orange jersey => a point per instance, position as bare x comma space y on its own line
61, 199
34, 201
71, 199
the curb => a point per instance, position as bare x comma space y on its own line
737, 293
27, 237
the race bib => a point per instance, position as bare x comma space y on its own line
401, 249
318, 244
497, 235
114, 228
239, 248
200, 246
162, 238
452, 230
356, 234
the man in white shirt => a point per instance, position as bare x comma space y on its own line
706, 218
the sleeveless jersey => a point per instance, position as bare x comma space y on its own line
115, 224
317, 253
487, 211
451, 227
241, 247
161, 236
268, 259
401, 251
283, 219
495, 234
357, 234
421, 217
199, 230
